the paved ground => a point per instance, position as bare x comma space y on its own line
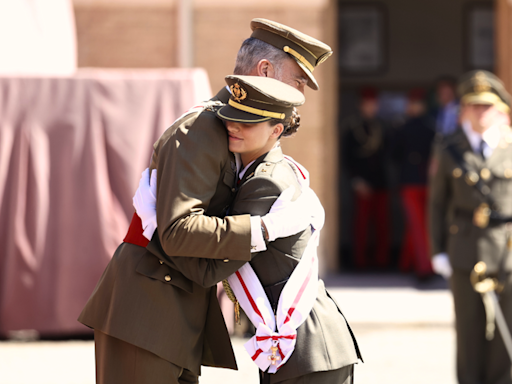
404, 330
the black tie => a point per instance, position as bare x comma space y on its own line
481, 149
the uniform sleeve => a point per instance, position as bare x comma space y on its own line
439, 196
189, 165
256, 196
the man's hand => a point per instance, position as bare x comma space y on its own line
144, 202
441, 265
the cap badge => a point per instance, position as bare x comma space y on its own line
481, 83
238, 92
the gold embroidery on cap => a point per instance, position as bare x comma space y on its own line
238, 92
481, 83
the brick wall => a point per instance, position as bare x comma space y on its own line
134, 33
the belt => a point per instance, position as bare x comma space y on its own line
483, 216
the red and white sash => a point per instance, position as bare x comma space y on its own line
294, 305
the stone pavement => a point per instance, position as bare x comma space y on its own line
404, 330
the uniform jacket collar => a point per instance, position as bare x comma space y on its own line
275, 155
222, 96
475, 161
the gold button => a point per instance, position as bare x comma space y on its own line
508, 173
267, 164
485, 174
161, 262
472, 178
253, 247
263, 170
167, 278
233, 189
454, 229
226, 260
457, 172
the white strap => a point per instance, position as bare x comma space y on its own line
294, 306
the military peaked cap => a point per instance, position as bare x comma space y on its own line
255, 99
307, 51
483, 87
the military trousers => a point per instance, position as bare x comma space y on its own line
119, 362
479, 361
343, 375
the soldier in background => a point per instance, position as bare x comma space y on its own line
365, 158
411, 152
470, 214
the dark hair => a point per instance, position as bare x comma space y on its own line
254, 50
291, 125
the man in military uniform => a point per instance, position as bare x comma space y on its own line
365, 158
152, 323
470, 215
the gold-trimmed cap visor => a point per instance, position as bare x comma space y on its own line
256, 99
487, 98
307, 51
483, 87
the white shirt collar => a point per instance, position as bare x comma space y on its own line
491, 136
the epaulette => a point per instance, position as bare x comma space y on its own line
264, 169
213, 106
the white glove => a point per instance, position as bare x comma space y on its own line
441, 265
317, 210
286, 218
144, 202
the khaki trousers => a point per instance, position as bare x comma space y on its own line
118, 362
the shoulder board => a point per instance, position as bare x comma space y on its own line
264, 169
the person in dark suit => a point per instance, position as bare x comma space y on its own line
151, 322
365, 156
411, 152
470, 209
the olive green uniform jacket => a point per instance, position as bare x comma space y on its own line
141, 298
453, 200
324, 341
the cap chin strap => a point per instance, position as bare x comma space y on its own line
255, 111
299, 57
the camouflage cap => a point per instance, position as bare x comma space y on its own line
307, 51
255, 99
483, 87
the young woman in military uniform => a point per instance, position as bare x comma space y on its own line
260, 112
